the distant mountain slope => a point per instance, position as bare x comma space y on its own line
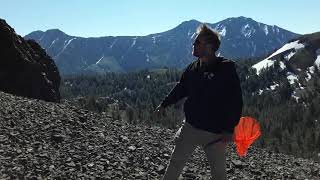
244, 37
43, 140
298, 60
241, 37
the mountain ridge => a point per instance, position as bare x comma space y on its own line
241, 37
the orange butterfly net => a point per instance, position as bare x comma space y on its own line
245, 133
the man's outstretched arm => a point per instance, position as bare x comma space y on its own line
177, 93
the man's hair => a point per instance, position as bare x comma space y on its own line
212, 37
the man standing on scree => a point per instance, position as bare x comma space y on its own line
212, 109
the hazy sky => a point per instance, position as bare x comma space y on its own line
93, 18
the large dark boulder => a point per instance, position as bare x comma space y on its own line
25, 68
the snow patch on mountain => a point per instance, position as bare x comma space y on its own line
263, 65
273, 87
223, 31
308, 76
100, 59
148, 59
260, 91
69, 41
282, 65
193, 35
292, 45
113, 43
266, 29
288, 56
269, 62
275, 29
317, 62
311, 69
154, 38
53, 42
270, 88
291, 77
247, 31
294, 95
66, 44
134, 41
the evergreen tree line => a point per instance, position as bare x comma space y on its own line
288, 125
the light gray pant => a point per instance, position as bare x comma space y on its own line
187, 139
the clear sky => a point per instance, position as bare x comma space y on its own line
94, 18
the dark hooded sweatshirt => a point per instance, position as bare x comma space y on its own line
214, 97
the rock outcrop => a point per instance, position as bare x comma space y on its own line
58, 141
25, 68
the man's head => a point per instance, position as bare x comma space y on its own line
206, 43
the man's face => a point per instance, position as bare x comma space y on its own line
199, 47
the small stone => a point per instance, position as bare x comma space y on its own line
103, 160
101, 135
161, 169
90, 147
237, 163
109, 153
3, 138
43, 155
124, 138
256, 172
90, 165
71, 169
82, 119
109, 173
16, 168
14, 133
72, 164
132, 148
100, 167
57, 138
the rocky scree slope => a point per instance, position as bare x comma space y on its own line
46, 140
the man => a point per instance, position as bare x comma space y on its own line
212, 109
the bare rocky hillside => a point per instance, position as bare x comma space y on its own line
43, 140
